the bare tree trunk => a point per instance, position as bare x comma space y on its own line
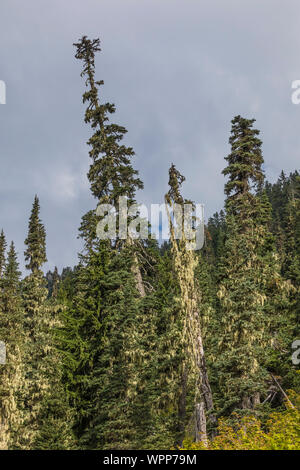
200, 423
135, 268
282, 391
138, 277
246, 403
184, 267
205, 385
256, 399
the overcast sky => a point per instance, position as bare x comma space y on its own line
178, 71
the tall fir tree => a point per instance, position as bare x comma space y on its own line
100, 326
12, 378
47, 419
2, 253
250, 286
111, 174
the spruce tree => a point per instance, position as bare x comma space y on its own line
47, 419
12, 377
111, 385
35, 254
55, 283
288, 327
99, 326
250, 288
2, 253
161, 423
111, 174
244, 165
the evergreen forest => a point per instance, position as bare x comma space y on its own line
147, 344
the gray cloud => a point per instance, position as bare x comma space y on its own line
178, 71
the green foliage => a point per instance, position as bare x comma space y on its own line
12, 377
35, 254
280, 432
140, 344
253, 297
244, 162
2, 253
111, 174
44, 392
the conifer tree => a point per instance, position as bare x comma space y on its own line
292, 257
2, 253
12, 377
47, 420
161, 423
250, 284
102, 319
111, 174
35, 254
244, 168
3, 246
55, 283
288, 326
185, 263
111, 386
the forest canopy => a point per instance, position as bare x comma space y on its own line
149, 345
